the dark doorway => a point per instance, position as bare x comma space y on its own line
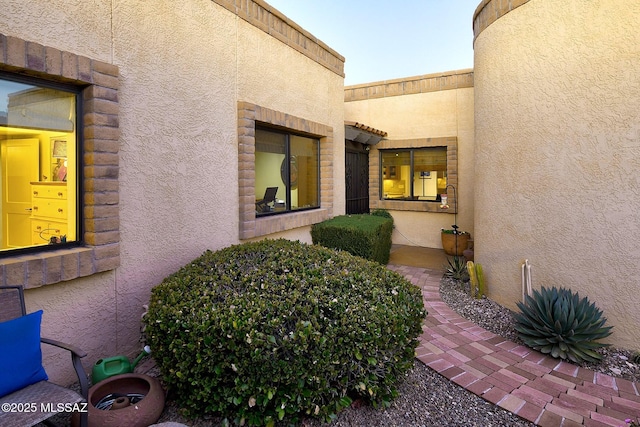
356, 178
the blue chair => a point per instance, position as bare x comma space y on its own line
42, 396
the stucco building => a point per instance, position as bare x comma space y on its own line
545, 130
186, 115
169, 98
425, 115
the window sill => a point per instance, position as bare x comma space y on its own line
45, 268
413, 205
288, 221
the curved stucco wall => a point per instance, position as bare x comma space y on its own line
183, 70
557, 134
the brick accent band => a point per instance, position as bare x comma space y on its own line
270, 20
489, 11
410, 85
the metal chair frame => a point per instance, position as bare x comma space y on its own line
13, 306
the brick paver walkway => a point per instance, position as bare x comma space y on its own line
536, 387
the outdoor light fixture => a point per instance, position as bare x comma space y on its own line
444, 199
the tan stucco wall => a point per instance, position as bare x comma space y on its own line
557, 134
429, 114
183, 70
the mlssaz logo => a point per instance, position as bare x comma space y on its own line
64, 407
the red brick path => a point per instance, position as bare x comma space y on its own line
536, 387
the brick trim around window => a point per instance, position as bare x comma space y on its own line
250, 226
100, 164
376, 202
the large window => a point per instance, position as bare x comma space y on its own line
287, 172
38, 164
413, 174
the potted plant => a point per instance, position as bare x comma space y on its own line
454, 241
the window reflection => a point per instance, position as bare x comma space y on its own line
38, 165
287, 172
414, 174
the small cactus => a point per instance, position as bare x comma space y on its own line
477, 287
473, 277
482, 289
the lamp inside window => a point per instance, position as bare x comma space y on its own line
59, 152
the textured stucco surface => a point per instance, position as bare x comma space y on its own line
81, 27
183, 70
557, 134
437, 114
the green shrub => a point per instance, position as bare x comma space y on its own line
559, 323
276, 330
382, 213
366, 236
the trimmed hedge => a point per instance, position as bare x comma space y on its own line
366, 236
276, 330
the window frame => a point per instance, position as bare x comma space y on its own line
77, 92
251, 115
287, 153
375, 174
98, 83
412, 153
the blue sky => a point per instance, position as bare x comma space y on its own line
389, 39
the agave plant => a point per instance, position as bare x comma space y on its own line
559, 323
457, 269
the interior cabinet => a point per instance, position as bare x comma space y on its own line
49, 216
391, 172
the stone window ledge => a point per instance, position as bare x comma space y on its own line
416, 206
289, 221
45, 268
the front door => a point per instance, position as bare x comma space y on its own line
356, 178
20, 166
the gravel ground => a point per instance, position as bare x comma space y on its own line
428, 399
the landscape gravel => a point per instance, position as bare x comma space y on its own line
428, 399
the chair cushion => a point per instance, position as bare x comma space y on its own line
20, 353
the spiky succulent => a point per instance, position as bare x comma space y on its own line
557, 322
457, 269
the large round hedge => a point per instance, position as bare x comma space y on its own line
276, 329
